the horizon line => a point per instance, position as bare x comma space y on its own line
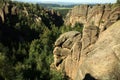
52, 2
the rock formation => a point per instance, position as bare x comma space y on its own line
1, 16
14, 10
102, 60
94, 53
101, 16
67, 52
7, 9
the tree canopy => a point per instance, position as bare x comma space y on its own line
26, 42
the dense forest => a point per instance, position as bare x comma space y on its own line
27, 35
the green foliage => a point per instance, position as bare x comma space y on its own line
115, 5
55, 75
76, 27
6, 69
26, 45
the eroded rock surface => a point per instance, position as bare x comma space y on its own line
67, 52
101, 16
78, 55
94, 54
102, 61
1, 16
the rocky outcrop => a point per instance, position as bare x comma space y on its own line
1, 16
102, 61
94, 54
101, 16
86, 55
39, 16
67, 52
14, 10
7, 9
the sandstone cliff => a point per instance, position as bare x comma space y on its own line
96, 52
101, 16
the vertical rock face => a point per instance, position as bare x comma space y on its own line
67, 52
102, 61
14, 10
6, 8
95, 53
101, 16
90, 35
95, 14
1, 16
77, 14
99, 57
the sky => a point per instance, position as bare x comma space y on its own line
74, 1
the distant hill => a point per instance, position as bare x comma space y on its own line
57, 4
